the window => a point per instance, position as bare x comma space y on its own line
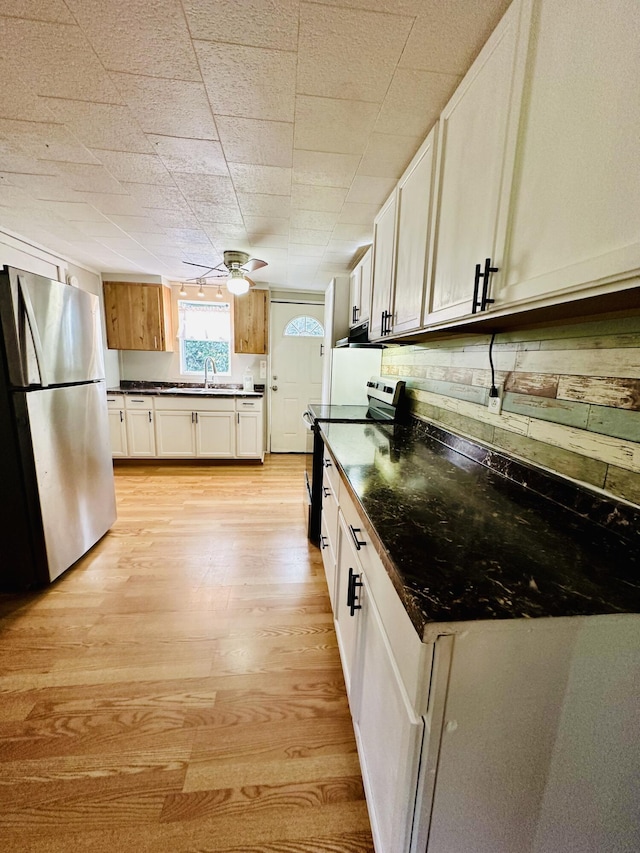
304, 327
204, 329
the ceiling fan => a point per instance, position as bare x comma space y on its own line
234, 268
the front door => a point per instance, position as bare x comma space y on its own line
297, 335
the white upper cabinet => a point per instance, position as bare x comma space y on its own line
476, 150
575, 217
412, 237
384, 229
360, 290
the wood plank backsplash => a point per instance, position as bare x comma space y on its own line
571, 396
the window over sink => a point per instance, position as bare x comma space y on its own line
204, 330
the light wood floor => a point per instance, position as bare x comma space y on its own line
180, 688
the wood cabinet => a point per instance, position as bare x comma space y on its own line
574, 225
413, 220
384, 230
138, 316
250, 322
360, 290
477, 137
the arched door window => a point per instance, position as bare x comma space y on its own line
304, 327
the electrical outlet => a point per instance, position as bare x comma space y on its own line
263, 369
495, 403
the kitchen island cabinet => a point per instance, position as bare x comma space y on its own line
492, 659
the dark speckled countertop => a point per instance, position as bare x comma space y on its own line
183, 389
464, 539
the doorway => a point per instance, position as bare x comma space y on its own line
297, 338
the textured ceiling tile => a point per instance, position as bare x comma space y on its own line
50, 187
309, 235
39, 10
397, 7
414, 101
16, 99
328, 124
347, 53
109, 203
223, 234
272, 180
153, 195
352, 233
229, 211
256, 204
269, 241
202, 156
248, 140
370, 190
106, 126
249, 81
324, 169
56, 60
262, 225
87, 178
355, 213
139, 37
304, 250
448, 34
135, 168
320, 220
214, 189
308, 197
168, 107
73, 211
258, 23
46, 141
172, 218
388, 156
15, 159
14, 197
136, 223
103, 228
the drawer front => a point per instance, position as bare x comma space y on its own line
252, 404
138, 402
115, 401
329, 561
195, 404
412, 656
330, 512
331, 469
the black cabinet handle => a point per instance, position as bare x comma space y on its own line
326, 463
326, 492
385, 325
149, 417
323, 542
480, 302
354, 533
353, 584
321, 349
121, 417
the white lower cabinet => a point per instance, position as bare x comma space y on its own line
141, 440
117, 425
249, 429
175, 433
215, 434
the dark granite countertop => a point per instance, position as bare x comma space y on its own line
183, 389
463, 539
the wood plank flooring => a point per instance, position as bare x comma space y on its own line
180, 688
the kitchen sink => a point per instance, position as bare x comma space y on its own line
208, 391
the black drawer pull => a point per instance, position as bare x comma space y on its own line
323, 542
354, 533
326, 492
353, 584
326, 462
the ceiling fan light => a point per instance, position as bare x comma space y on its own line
237, 283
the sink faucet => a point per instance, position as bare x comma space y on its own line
209, 362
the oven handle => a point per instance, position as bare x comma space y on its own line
307, 420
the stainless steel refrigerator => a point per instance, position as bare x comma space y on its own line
56, 473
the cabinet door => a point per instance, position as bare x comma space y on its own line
140, 432
215, 434
412, 242
249, 435
575, 219
354, 295
250, 318
383, 262
175, 434
477, 138
389, 736
346, 617
118, 432
328, 560
138, 316
365, 287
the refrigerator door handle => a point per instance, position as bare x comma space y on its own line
33, 330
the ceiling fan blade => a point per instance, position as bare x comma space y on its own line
251, 282
253, 264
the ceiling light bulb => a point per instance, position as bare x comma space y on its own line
219, 292
201, 291
237, 283
183, 290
